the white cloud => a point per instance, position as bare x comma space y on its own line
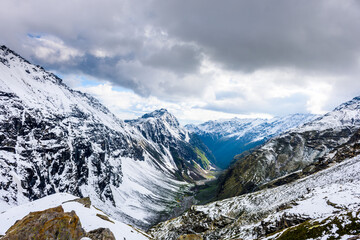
52, 49
128, 105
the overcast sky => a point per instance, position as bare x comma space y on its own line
200, 59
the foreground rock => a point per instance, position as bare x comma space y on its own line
101, 234
53, 223
60, 215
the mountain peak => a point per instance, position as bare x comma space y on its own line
4, 48
163, 115
352, 104
157, 113
346, 114
7, 51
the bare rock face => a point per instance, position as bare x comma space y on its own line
282, 156
190, 237
101, 234
52, 223
86, 202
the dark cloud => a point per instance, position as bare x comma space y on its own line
181, 59
113, 40
248, 35
159, 48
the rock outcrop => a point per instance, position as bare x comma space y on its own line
101, 234
53, 223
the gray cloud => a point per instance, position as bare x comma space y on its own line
181, 59
157, 48
248, 35
147, 64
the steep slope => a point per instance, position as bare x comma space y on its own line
309, 147
54, 139
227, 138
163, 129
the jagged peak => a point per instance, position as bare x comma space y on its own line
8, 55
353, 104
346, 114
229, 126
43, 90
162, 115
4, 48
158, 121
7, 51
157, 113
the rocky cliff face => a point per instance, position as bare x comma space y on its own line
189, 155
227, 138
55, 139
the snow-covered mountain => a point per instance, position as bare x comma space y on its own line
303, 184
164, 131
345, 115
227, 138
318, 142
54, 139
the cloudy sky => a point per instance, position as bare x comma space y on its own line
200, 59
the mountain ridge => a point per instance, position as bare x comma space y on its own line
227, 138
309, 144
302, 184
55, 139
